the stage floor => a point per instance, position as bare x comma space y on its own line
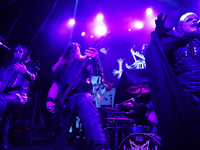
34, 147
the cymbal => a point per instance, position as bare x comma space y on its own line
141, 88
109, 108
120, 119
132, 104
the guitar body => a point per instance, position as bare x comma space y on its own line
15, 97
12, 98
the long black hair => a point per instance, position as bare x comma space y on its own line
65, 59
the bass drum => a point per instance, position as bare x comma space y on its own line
141, 141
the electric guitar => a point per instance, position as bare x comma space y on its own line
13, 97
59, 104
13, 72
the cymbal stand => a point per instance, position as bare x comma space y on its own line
131, 99
116, 134
116, 108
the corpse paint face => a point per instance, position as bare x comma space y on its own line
189, 25
75, 51
18, 52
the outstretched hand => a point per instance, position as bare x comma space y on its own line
160, 25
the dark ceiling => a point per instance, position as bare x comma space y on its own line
36, 24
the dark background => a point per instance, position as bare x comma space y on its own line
36, 24
39, 25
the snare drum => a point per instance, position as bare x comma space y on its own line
141, 141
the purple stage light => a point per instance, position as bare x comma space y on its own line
138, 25
71, 22
99, 17
83, 33
149, 11
100, 29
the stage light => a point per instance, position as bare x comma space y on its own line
83, 33
100, 29
129, 29
99, 17
71, 22
138, 24
149, 11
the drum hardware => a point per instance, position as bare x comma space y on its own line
110, 109
134, 104
120, 119
138, 89
135, 128
116, 118
117, 129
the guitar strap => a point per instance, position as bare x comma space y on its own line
69, 73
78, 72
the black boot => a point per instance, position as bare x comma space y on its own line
3, 143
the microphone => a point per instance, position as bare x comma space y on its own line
198, 23
2, 44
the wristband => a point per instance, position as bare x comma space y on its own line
50, 99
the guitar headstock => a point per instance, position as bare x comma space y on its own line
101, 40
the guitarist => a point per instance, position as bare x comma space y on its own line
16, 91
79, 101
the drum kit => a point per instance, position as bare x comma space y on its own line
122, 133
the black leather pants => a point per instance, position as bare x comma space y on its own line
5, 122
83, 105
